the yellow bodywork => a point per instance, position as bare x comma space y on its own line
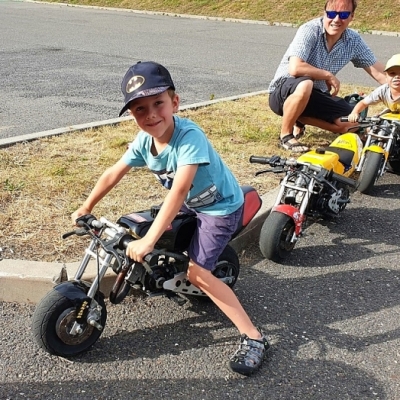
391, 116
330, 159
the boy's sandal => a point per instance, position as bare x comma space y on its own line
301, 130
293, 147
250, 354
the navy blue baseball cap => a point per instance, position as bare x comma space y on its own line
144, 79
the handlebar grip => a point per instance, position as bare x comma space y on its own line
361, 120
150, 258
68, 234
84, 220
259, 159
344, 180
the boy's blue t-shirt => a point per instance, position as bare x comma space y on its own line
215, 191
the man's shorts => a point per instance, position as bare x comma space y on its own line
320, 106
211, 237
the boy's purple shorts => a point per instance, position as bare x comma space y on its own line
211, 237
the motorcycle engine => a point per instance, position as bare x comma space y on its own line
335, 202
332, 203
161, 273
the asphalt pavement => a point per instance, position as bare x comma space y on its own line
332, 313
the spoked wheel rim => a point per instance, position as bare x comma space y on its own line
285, 242
225, 269
64, 325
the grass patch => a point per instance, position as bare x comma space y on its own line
370, 15
44, 181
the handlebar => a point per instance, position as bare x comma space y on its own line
120, 237
365, 121
343, 179
274, 161
259, 160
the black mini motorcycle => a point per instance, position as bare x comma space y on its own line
71, 317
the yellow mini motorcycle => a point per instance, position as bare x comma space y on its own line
381, 150
316, 185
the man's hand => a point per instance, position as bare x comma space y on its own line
333, 83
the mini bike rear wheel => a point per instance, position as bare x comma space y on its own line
228, 266
276, 235
227, 269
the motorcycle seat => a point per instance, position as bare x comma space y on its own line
345, 155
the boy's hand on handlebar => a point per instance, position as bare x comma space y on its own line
353, 117
137, 249
78, 213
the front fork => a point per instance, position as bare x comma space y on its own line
89, 306
296, 213
384, 150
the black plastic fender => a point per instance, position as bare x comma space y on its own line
75, 291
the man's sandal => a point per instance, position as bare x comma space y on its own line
301, 130
293, 147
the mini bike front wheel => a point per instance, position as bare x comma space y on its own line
370, 171
52, 321
276, 236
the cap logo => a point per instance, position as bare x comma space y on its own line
134, 83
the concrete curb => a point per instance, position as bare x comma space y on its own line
28, 281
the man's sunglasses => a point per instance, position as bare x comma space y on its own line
342, 14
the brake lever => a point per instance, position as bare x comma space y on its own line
78, 232
275, 170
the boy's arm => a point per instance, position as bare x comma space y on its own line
106, 182
354, 115
172, 204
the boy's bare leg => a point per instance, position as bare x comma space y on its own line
224, 297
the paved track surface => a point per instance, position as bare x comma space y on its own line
332, 312
62, 66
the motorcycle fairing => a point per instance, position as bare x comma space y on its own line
326, 159
391, 116
293, 213
252, 203
341, 156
